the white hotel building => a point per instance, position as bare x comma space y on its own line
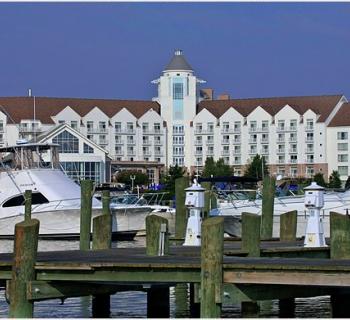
184, 125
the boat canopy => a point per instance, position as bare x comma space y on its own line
228, 179
30, 156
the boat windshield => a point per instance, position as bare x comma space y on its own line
30, 156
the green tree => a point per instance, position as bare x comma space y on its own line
334, 180
209, 168
254, 168
216, 168
347, 183
318, 178
169, 178
140, 178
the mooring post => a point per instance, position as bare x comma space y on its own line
211, 267
102, 225
27, 205
157, 244
85, 214
340, 249
181, 212
102, 239
25, 252
207, 198
268, 198
251, 224
288, 226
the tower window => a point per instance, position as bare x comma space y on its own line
178, 91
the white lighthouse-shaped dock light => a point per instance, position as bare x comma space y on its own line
314, 202
195, 203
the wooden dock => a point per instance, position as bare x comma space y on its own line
228, 271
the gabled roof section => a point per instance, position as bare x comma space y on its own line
62, 127
342, 117
19, 108
178, 62
322, 105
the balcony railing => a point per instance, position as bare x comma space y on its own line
293, 150
309, 139
131, 153
210, 153
309, 128
225, 141
237, 141
119, 142
178, 132
198, 142
158, 154
198, 153
279, 151
103, 142
119, 153
281, 161
252, 151
293, 139
237, 162
230, 130
258, 129
264, 151
178, 154
147, 153
264, 140
281, 140
97, 130
152, 131
146, 143
309, 161
130, 142
124, 131
309, 150
209, 142
253, 140
293, 160
225, 152
159, 142
236, 152
29, 129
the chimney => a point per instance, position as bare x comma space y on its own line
224, 96
207, 94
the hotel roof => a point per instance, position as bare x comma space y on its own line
18, 108
321, 105
342, 117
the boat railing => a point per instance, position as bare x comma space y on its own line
56, 204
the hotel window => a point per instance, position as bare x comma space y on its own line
237, 126
74, 125
210, 139
90, 126
178, 129
118, 150
178, 93
342, 147
130, 127
117, 126
156, 127
102, 126
210, 127
226, 127
130, 140
280, 125
88, 149
293, 124
59, 122
67, 142
252, 126
199, 127
342, 135
265, 125
343, 170
145, 139
342, 158
145, 127
178, 140
1, 126
309, 124
118, 139
309, 136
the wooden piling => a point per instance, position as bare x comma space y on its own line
25, 252
157, 243
102, 225
339, 235
207, 196
27, 205
251, 224
211, 267
154, 233
102, 239
268, 198
85, 214
288, 226
181, 212
181, 300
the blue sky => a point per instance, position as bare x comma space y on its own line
114, 50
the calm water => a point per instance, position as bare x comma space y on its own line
133, 304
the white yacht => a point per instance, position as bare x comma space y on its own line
55, 197
237, 202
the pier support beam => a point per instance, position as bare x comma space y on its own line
288, 226
157, 244
251, 224
340, 249
268, 198
85, 214
211, 267
25, 252
181, 212
102, 239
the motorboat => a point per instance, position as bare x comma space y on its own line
55, 197
233, 203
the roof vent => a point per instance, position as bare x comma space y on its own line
178, 52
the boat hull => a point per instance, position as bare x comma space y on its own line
66, 223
